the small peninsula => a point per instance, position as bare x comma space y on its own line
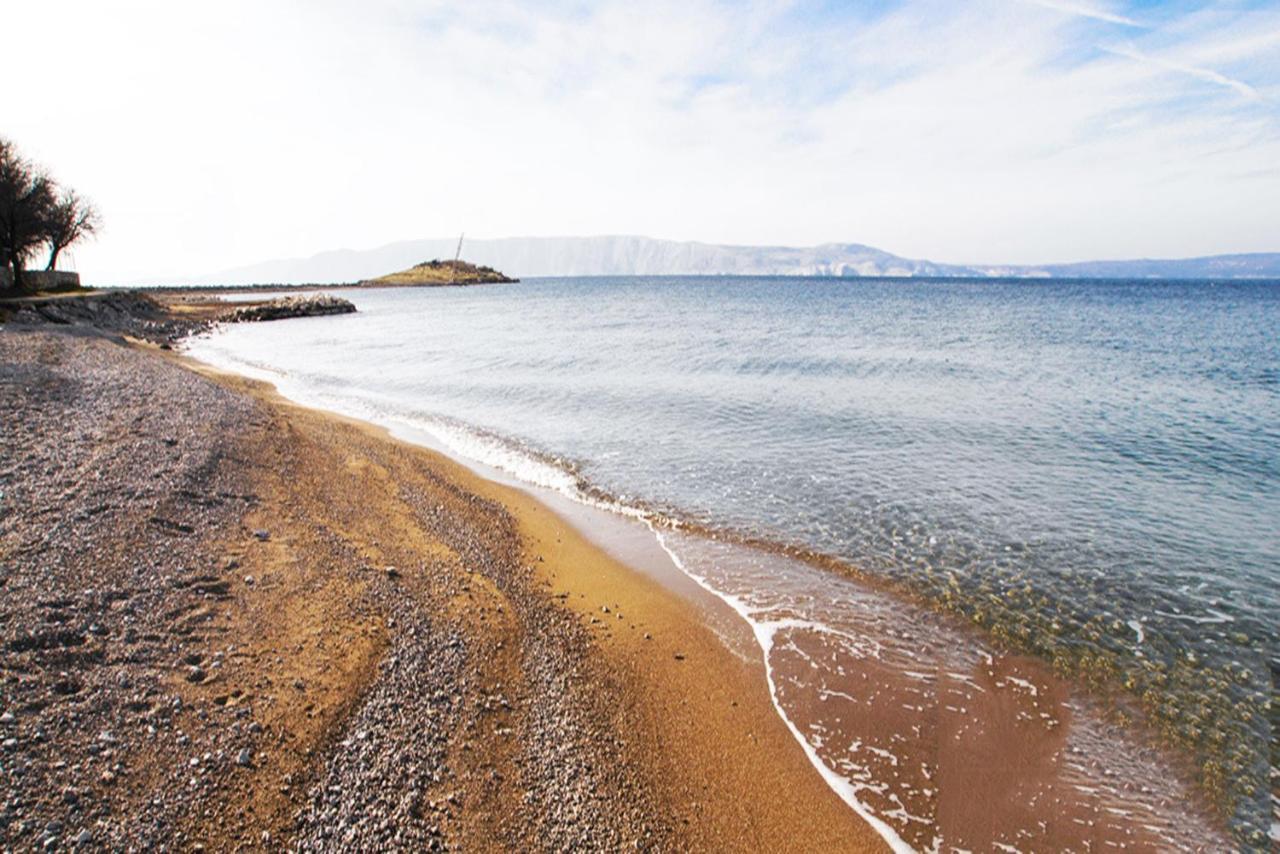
438, 273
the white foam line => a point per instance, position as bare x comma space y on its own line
764, 632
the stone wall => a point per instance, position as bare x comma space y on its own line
41, 280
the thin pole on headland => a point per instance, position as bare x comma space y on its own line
453, 271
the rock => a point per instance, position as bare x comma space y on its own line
245, 758
262, 535
196, 674
249, 579
297, 306
83, 838
7, 718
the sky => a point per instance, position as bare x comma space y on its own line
212, 135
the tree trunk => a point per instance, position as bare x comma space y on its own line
53, 257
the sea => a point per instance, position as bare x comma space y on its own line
924, 495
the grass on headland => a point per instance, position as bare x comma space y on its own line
435, 273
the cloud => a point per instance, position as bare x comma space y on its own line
1083, 11
1206, 74
224, 134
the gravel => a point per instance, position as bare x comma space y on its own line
115, 480
120, 476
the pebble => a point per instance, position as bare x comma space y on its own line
581, 795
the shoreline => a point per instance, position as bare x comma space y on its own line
1073, 793
669, 651
566, 551
341, 638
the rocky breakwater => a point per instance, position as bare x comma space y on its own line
128, 313
314, 305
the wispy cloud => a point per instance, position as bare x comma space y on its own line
1206, 74
1084, 11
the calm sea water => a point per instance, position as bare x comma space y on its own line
1088, 471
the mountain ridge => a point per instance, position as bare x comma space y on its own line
627, 255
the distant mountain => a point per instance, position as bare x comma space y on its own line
643, 256
1260, 265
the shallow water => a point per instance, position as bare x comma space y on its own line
1088, 471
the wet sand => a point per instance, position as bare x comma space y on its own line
703, 737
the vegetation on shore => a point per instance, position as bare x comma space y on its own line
437, 272
36, 212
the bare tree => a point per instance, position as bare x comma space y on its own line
71, 219
27, 195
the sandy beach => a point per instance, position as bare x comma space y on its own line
233, 622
